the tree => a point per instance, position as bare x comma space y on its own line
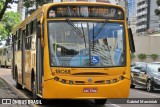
34, 4
154, 56
157, 11
3, 32
4, 4
9, 20
142, 56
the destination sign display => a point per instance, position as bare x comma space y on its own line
86, 11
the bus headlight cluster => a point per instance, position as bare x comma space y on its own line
114, 80
56, 78
63, 80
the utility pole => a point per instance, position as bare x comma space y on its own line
20, 8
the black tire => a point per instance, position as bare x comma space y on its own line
5, 66
33, 88
131, 83
100, 101
149, 86
18, 86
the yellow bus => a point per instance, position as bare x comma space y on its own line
5, 56
75, 50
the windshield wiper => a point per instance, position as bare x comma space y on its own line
100, 29
74, 28
81, 34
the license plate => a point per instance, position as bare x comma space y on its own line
90, 90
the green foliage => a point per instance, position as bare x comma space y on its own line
10, 19
158, 2
154, 56
132, 55
157, 11
34, 3
1, 4
3, 32
142, 56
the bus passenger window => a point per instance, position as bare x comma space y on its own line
19, 39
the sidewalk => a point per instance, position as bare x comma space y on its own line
6, 92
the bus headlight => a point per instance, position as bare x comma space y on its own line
114, 80
63, 81
121, 77
71, 82
56, 78
108, 81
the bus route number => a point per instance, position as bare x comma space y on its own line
63, 71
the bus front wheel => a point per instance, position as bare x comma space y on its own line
100, 101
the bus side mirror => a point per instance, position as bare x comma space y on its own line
131, 41
158, 69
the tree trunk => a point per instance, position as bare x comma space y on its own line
4, 9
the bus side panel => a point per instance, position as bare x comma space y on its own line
28, 68
18, 62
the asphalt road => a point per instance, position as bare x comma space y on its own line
137, 93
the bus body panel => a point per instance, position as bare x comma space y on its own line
58, 90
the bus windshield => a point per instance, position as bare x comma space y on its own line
85, 44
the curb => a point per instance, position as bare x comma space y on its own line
15, 91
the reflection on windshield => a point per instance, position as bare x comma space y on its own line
154, 68
84, 44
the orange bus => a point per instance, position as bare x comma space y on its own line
75, 50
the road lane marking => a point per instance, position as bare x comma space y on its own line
109, 103
158, 96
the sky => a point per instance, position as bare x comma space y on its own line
13, 7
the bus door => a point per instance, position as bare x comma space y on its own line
23, 57
39, 61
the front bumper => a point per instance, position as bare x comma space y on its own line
157, 84
53, 89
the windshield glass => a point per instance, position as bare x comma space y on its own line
154, 68
84, 44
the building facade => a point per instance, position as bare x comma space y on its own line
148, 44
147, 21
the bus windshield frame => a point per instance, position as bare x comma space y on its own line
90, 29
